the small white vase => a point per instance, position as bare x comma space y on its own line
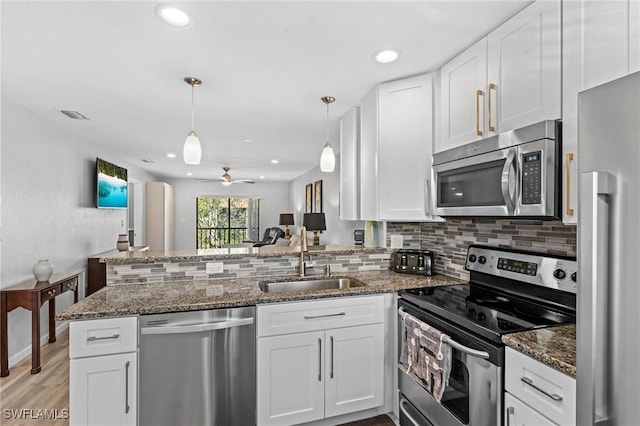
123, 242
43, 270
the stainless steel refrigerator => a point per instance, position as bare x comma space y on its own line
608, 337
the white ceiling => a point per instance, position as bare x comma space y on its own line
264, 65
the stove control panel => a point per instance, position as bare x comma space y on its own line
535, 268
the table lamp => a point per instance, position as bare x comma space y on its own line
286, 219
315, 222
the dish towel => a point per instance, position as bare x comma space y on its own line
426, 355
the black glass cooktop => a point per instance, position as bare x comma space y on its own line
486, 311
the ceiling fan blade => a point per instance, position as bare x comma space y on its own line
243, 181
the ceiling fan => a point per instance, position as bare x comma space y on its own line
226, 178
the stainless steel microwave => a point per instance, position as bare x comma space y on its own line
513, 174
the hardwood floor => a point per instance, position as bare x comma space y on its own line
38, 398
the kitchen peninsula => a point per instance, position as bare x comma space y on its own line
238, 262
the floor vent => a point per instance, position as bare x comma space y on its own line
73, 114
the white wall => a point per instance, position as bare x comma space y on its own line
48, 208
338, 231
274, 199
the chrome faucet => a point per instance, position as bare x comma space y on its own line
303, 249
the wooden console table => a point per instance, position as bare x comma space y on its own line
31, 295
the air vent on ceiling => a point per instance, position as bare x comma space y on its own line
147, 160
73, 114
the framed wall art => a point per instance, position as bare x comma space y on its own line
308, 198
317, 189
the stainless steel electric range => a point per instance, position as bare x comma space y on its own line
509, 291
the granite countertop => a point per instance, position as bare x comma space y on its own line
554, 346
177, 296
127, 257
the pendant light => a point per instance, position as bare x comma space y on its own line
328, 158
192, 151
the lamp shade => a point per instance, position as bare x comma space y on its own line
286, 219
192, 151
327, 159
314, 221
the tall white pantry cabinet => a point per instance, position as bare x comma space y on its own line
160, 216
600, 42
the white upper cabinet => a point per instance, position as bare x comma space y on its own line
368, 164
601, 42
462, 83
509, 79
524, 68
349, 165
405, 141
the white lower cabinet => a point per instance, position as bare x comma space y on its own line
103, 390
103, 372
320, 373
519, 413
355, 369
290, 382
537, 394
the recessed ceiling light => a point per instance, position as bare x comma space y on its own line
387, 56
261, 177
189, 174
247, 140
171, 155
274, 161
172, 15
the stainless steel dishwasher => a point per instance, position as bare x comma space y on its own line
198, 368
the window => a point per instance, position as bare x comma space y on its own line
221, 221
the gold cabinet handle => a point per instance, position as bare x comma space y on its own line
491, 87
478, 94
568, 179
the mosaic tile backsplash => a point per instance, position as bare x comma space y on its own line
449, 240
249, 266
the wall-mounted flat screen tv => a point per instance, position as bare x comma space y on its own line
112, 185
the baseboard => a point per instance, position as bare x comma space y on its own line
13, 360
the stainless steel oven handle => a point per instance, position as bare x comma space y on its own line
467, 350
413, 421
509, 164
462, 348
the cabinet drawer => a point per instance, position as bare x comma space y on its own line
69, 285
49, 293
551, 392
285, 318
103, 336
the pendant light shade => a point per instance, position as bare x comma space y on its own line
192, 152
328, 158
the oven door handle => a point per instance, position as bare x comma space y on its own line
462, 348
413, 421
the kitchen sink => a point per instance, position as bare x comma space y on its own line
309, 285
